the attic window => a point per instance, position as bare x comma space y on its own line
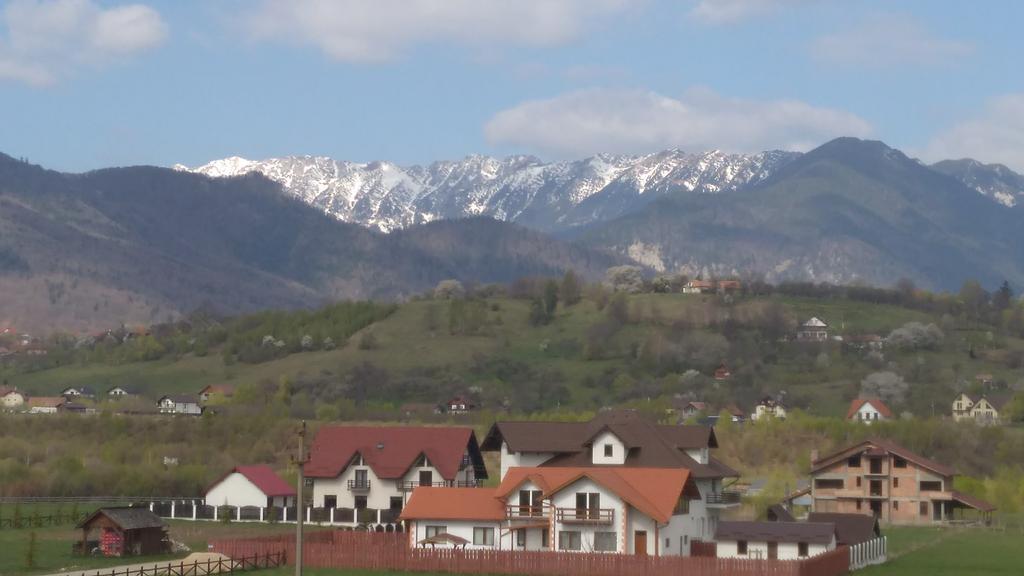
854, 461
898, 462
609, 450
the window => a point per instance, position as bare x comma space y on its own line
741, 547
569, 540
588, 505
483, 536
682, 505
362, 480
357, 460
895, 482
668, 543
544, 536
801, 549
853, 461
895, 504
360, 502
858, 504
422, 461
435, 530
605, 542
858, 481
924, 509
609, 450
395, 503
898, 462
829, 483
530, 503
931, 486
521, 538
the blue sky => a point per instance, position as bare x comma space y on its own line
91, 83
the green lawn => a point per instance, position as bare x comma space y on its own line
961, 552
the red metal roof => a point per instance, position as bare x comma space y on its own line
388, 450
263, 477
877, 403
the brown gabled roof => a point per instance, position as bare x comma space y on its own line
998, 401
779, 513
261, 476
391, 450
126, 518
851, 529
877, 403
885, 446
810, 532
46, 401
973, 502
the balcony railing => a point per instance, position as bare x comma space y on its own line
526, 512
585, 515
410, 485
358, 485
724, 498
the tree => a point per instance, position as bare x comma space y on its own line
550, 299
888, 386
625, 279
915, 335
449, 290
1003, 297
974, 299
537, 315
571, 289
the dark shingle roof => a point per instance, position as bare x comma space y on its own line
127, 518
850, 528
779, 513
810, 532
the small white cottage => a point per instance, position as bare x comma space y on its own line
255, 485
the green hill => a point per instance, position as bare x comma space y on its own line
608, 349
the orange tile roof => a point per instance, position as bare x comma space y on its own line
46, 401
876, 402
653, 491
430, 503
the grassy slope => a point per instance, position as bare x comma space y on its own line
406, 345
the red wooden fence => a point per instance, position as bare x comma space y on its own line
384, 551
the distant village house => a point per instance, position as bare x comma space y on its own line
256, 485
868, 410
813, 330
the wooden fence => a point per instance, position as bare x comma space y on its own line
384, 551
200, 567
40, 520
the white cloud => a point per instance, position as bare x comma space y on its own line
995, 135
376, 30
728, 11
888, 40
43, 40
636, 121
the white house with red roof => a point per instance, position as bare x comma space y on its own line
868, 410
377, 467
256, 485
643, 511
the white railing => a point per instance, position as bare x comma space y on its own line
868, 553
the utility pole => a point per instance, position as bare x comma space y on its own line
299, 512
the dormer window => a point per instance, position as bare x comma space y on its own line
422, 461
609, 450
357, 460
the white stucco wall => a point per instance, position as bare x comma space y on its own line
566, 498
787, 550
699, 454
381, 491
867, 414
603, 439
521, 459
12, 400
699, 524
235, 490
463, 529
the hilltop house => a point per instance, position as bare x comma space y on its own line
459, 405
622, 439
117, 392
722, 372
78, 392
769, 407
813, 330
378, 466
892, 483
11, 398
216, 392
45, 404
643, 511
782, 540
988, 409
868, 410
698, 287
690, 409
180, 404
255, 485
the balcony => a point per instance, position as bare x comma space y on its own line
526, 512
723, 499
410, 485
585, 515
358, 485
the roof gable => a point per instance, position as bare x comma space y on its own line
887, 446
851, 529
434, 503
127, 518
390, 450
261, 476
876, 403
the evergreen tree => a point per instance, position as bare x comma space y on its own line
550, 299
571, 289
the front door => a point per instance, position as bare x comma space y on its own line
876, 508
773, 550
640, 543
937, 511
426, 478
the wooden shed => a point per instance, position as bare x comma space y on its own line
125, 532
